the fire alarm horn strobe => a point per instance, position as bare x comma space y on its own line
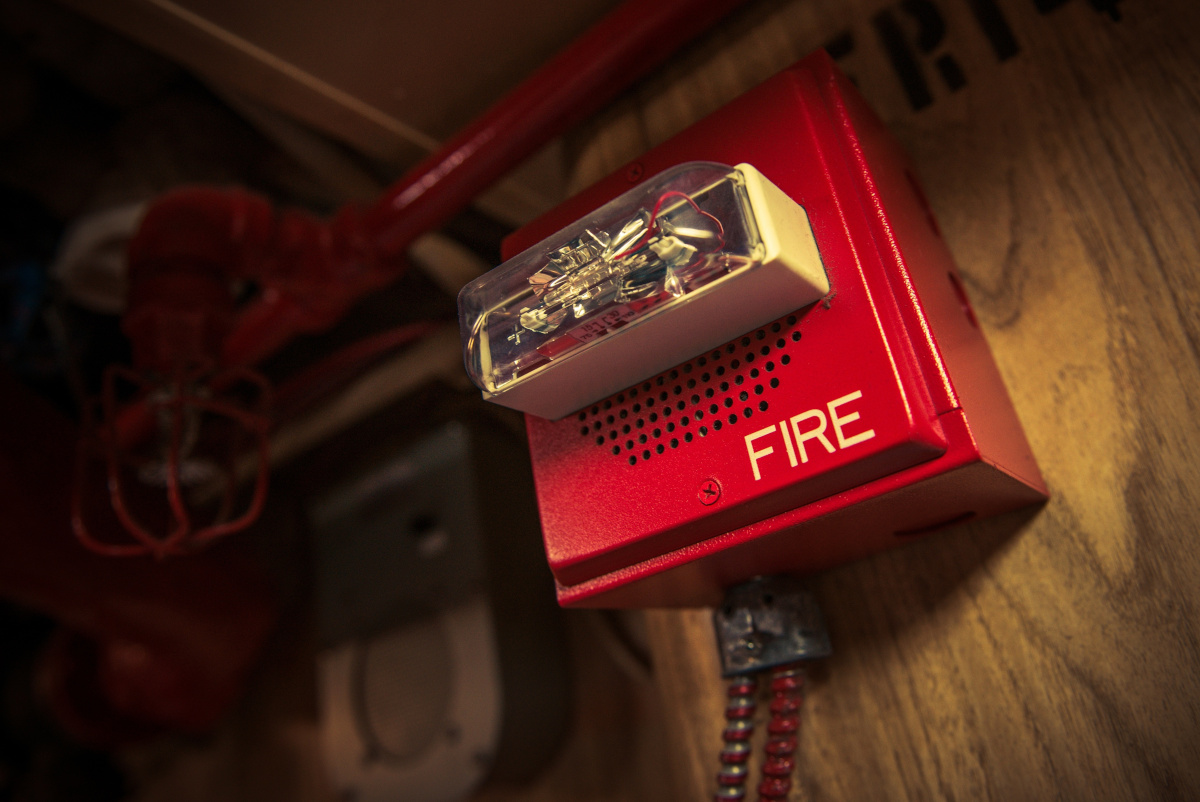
827, 432
683, 262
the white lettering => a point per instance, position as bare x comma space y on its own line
787, 442
756, 455
854, 439
818, 432
812, 424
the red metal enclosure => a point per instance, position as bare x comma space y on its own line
834, 432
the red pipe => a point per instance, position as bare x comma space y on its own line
630, 42
365, 250
194, 242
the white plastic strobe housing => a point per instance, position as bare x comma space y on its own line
686, 261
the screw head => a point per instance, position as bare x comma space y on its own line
634, 172
709, 492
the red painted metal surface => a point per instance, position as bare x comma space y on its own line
684, 484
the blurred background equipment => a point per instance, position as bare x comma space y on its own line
181, 413
193, 339
441, 656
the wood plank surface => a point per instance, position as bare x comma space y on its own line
1052, 653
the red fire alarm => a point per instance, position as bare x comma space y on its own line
757, 359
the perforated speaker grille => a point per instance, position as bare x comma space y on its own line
674, 409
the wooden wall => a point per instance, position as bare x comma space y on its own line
1051, 653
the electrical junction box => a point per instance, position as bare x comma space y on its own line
835, 428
